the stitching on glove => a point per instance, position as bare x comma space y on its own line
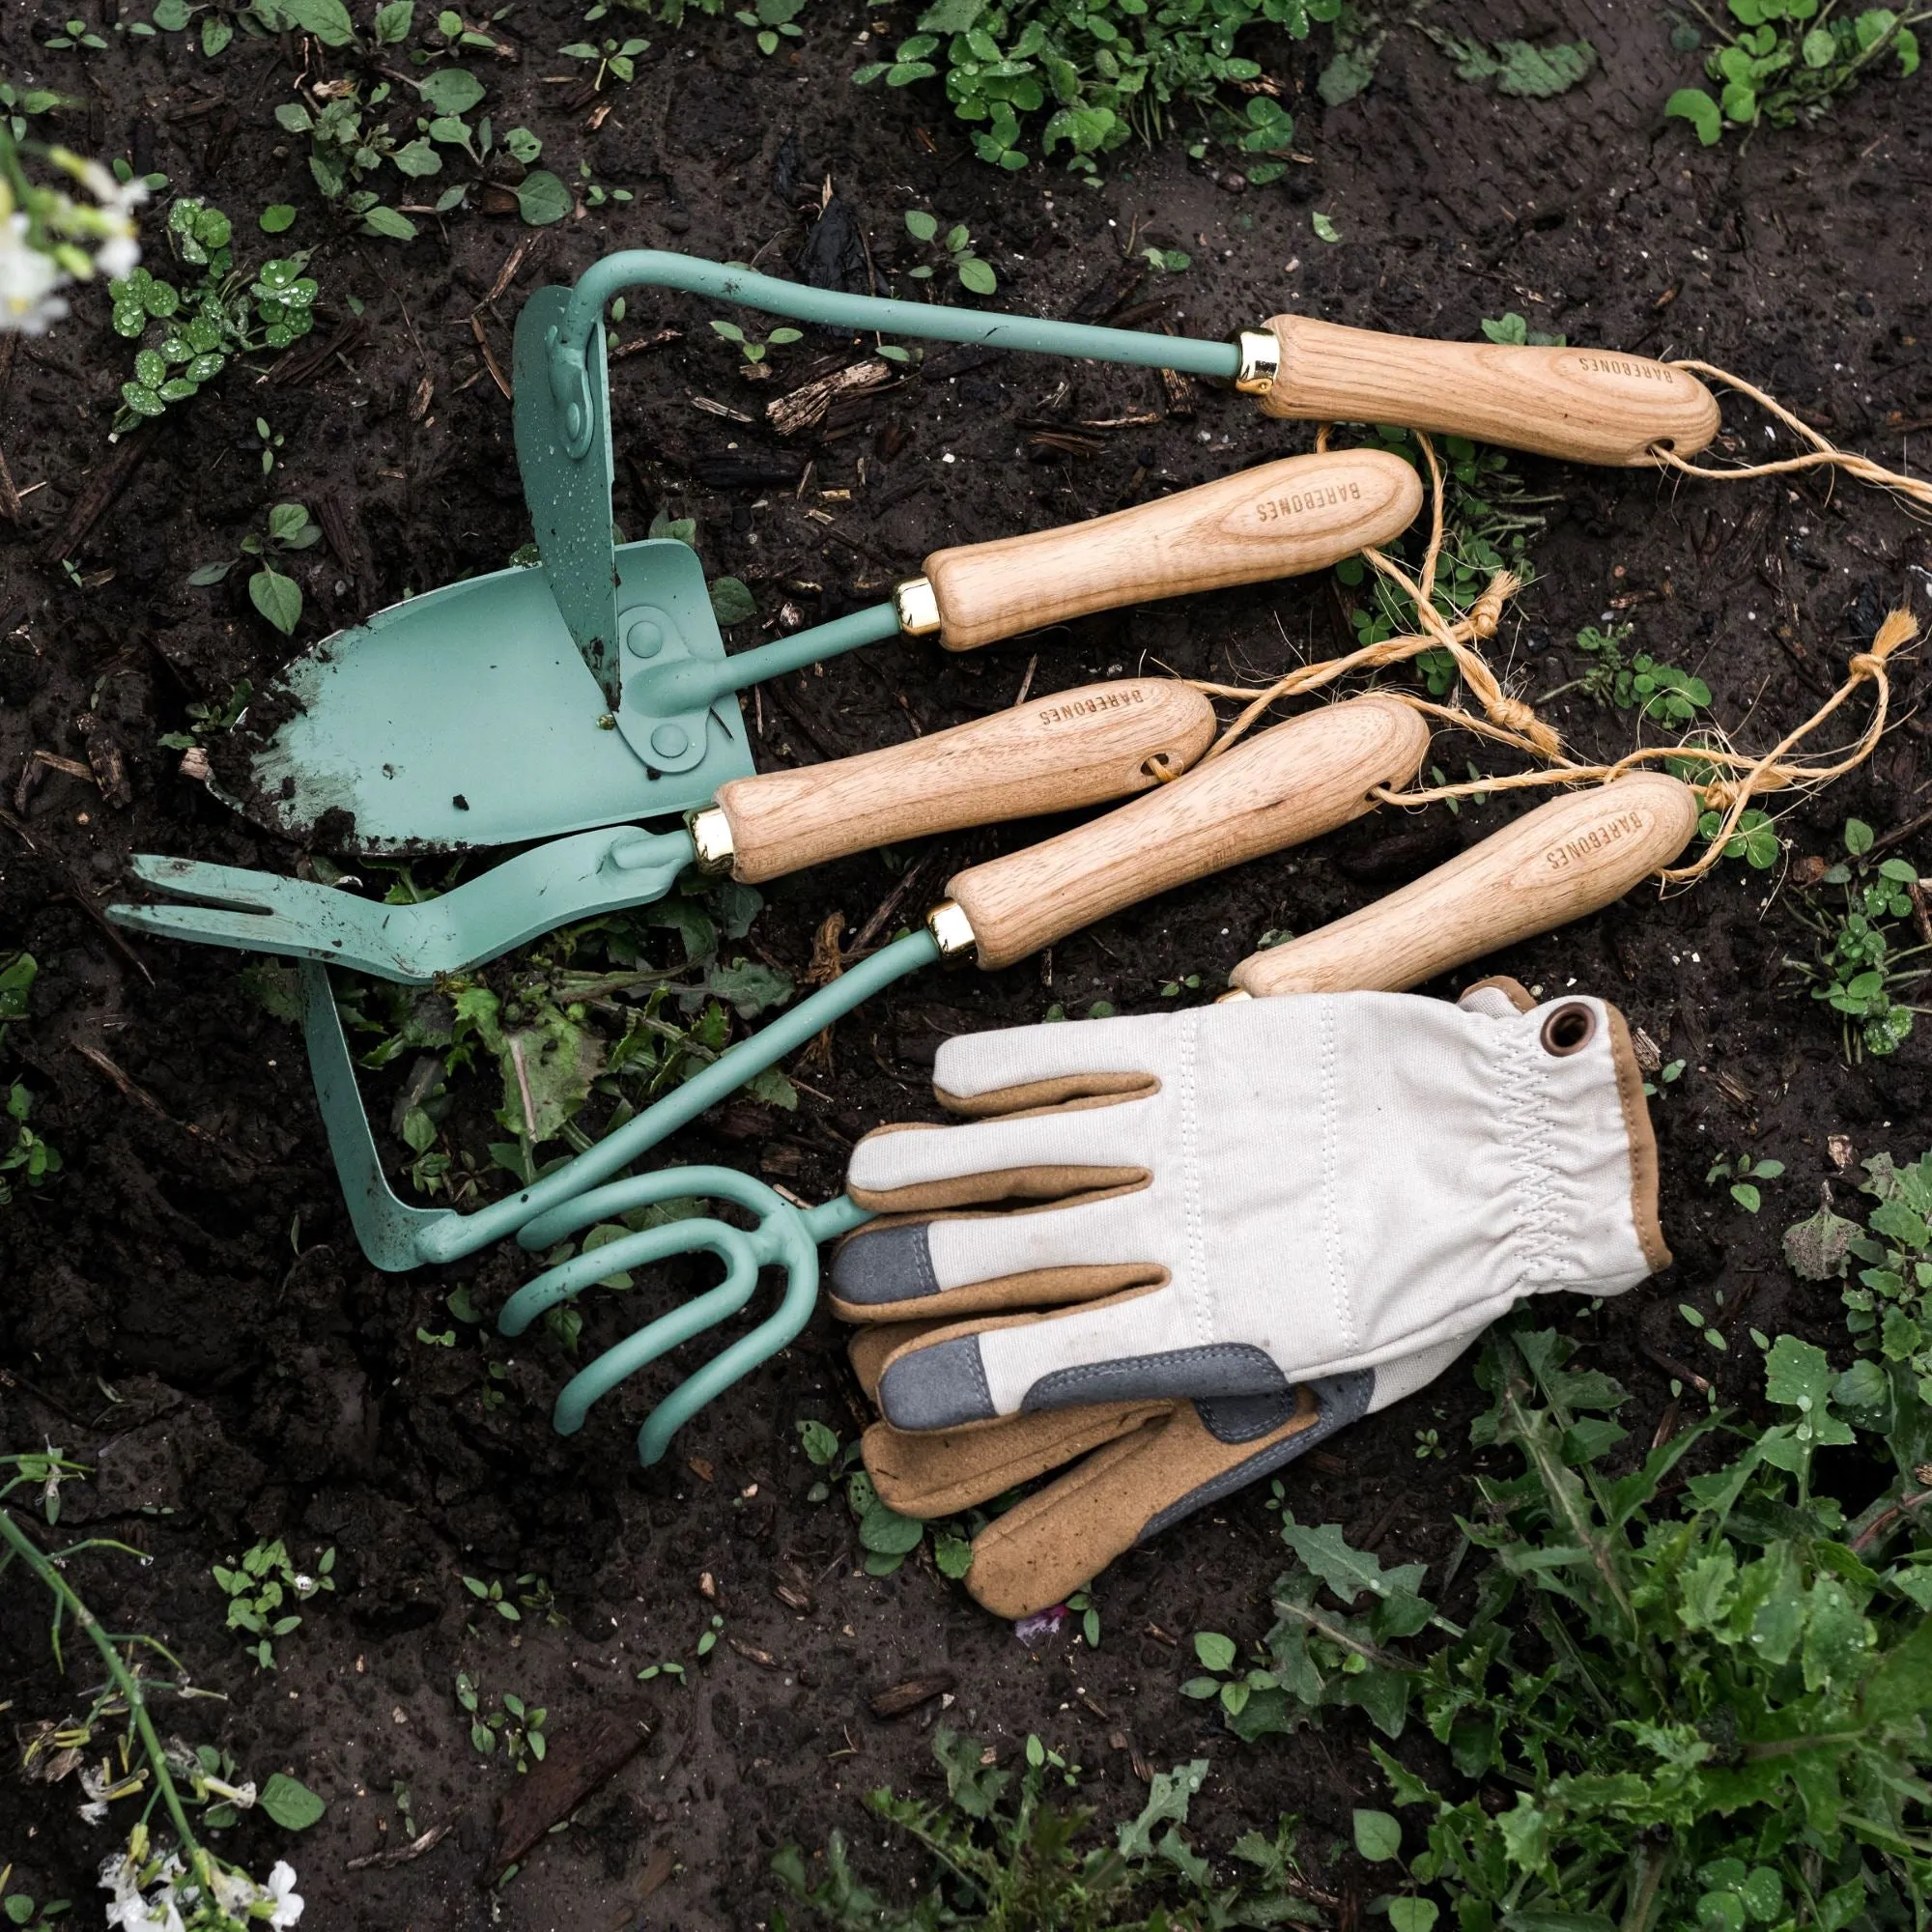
1195, 1288
1331, 1207
1527, 1129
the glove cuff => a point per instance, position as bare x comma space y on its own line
1642, 1143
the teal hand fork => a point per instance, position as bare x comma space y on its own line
1291, 783
1056, 753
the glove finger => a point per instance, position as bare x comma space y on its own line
932, 1475
959, 1264
1134, 1347
938, 1472
1051, 1544
982, 1074
1038, 1156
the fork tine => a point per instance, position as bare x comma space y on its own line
263, 932
231, 886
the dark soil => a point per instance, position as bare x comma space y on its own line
186, 1308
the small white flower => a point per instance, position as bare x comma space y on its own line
28, 280
118, 257
235, 1892
288, 1901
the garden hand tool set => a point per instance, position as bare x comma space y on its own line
1153, 1455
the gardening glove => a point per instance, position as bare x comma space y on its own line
1146, 1466
1235, 1199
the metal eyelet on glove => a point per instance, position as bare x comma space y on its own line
1569, 1030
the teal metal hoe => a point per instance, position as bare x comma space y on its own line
1284, 785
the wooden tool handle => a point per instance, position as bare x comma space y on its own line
1571, 856
1292, 783
1081, 747
1588, 405
1300, 514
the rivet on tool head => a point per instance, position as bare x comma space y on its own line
668, 741
645, 639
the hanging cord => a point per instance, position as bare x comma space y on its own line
1752, 776
1735, 778
1515, 720
1822, 455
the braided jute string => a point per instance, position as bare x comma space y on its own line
1734, 777
1822, 455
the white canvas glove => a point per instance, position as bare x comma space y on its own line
1232, 1200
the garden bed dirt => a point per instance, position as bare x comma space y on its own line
185, 1308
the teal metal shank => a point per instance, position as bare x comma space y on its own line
452, 1235
697, 683
661, 268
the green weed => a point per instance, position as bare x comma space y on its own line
24, 1153
260, 1584
955, 253
514, 1725
1678, 1699
288, 528
613, 60
1009, 1857
1743, 1175
1857, 969
1641, 683
1088, 79
1489, 522
1890, 1311
754, 351
1785, 62
887, 1537
186, 335
592, 1014
1521, 69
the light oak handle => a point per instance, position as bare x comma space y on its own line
1588, 405
1077, 748
1578, 853
1285, 784
1303, 513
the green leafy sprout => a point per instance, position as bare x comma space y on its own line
1785, 62
957, 252
186, 335
261, 1585
1857, 969
754, 350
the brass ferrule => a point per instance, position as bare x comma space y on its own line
1259, 351
915, 605
951, 932
1231, 994
711, 841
